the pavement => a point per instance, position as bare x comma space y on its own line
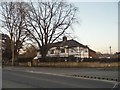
29, 79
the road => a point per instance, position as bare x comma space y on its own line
98, 72
0, 77
20, 79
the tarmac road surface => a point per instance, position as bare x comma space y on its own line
20, 79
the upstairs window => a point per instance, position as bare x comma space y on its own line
72, 50
52, 52
86, 50
63, 50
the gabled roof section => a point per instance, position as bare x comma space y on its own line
92, 50
69, 43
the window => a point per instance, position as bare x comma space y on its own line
63, 50
72, 50
52, 52
85, 50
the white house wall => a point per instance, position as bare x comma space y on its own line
79, 52
38, 55
85, 53
76, 52
57, 53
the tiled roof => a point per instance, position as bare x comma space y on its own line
69, 43
92, 50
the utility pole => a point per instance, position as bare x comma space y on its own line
110, 50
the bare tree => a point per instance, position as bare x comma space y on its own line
48, 21
29, 49
13, 20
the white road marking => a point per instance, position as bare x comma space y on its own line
115, 84
69, 76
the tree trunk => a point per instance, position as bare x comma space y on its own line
44, 51
13, 56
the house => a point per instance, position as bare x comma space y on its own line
69, 48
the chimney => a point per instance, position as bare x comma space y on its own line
64, 38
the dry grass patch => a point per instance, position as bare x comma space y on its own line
77, 64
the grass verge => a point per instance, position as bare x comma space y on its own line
77, 64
